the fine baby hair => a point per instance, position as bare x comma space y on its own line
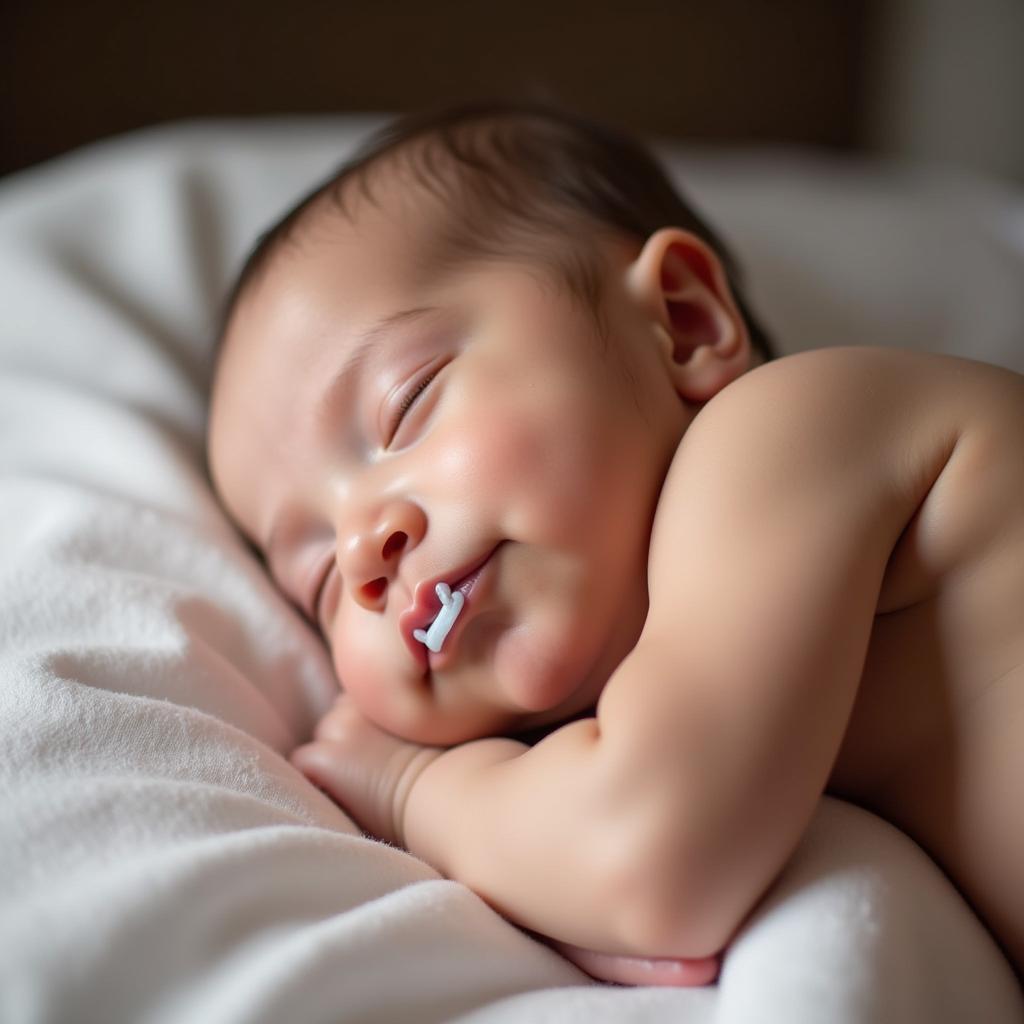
520, 181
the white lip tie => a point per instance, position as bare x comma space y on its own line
451, 605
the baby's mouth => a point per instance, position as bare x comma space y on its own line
426, 626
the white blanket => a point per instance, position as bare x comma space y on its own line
160, 861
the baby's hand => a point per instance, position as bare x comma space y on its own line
636, 970
364, 769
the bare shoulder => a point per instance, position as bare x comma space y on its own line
889, 416
839, 448
870, 376
796, 479
847, 432
854, 385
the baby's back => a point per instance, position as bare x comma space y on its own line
935, 742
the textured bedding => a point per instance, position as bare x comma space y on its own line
160, 860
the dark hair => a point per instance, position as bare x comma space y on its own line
537, 176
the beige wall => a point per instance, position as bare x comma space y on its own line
948, 83
726, 70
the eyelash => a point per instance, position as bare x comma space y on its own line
410, 398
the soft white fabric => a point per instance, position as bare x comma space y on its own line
160, 861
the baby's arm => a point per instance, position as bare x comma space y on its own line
655, 827
370, 773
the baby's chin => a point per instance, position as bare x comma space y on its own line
423, 721
439, 727
532, 682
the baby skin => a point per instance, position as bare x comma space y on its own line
717, 590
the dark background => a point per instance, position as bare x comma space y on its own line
831, 73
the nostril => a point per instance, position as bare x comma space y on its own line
374, 590
394, 544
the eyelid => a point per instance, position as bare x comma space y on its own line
315, 609
410, 394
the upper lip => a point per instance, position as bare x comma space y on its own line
426, 604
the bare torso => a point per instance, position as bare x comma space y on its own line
935, 743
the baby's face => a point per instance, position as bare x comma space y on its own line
375, 431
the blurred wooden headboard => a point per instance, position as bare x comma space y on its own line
733, 70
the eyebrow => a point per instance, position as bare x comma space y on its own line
365, 343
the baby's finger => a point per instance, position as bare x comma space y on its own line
664, 972
328, 769
348, 782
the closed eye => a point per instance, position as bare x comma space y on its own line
409, 400
318, 609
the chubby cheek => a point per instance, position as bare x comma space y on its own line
572, 619
529, 476
550, 652
365, 675
535, 667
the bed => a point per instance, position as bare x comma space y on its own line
160, 860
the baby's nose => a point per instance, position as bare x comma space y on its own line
370, 558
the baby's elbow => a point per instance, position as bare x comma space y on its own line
673, 903
660, 923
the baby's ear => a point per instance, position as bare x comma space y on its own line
681, 284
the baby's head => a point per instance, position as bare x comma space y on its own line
468, 358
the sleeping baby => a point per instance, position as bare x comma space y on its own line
614, 597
